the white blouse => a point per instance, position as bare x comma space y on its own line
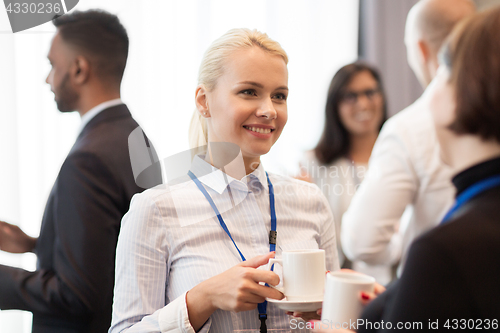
171, 240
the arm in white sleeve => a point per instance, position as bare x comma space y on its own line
142, 274
370, 225
172, 318
327, 236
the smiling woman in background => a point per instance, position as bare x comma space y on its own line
355, 111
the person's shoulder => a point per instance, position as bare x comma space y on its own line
465, 244
413, 131
111, 136
98, 155
113, 124
437, 245
163, 192
474, 227
83, 159
415, 117
476, 220
161, 198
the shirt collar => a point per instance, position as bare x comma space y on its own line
218, 180
475, 174
260, 175
96, 110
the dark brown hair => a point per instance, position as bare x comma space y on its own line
101, 36
334, 141
472, 54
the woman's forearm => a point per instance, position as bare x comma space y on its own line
199, 306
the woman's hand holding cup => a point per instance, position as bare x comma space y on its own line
366, 296
236, 289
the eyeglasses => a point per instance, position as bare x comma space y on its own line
351, 97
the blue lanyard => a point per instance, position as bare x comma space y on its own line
470, 193
262, 307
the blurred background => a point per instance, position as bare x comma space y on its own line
167, 41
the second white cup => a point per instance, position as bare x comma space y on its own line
303, 274
342, 303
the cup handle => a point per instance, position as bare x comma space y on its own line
273, 261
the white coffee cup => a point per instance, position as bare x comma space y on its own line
303, 274
342, 303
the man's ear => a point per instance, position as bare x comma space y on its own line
81, 70
201, 100
424, 52
429, 59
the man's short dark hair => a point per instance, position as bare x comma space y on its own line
100, 36
472, 55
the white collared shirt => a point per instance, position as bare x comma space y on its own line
170, 241
338, 181
96, 110
405, 175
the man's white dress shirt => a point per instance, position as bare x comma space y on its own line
96, 110
405, 172
171, 240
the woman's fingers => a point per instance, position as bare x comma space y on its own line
250, 298
367, 297
260, 275
306, 316
239, 288
268, 292
251, 284
379, 289
248, 286
258, 261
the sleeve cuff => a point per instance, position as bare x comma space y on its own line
174, 318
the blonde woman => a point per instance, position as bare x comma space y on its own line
182, 253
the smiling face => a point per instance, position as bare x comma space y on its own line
60, 56
248, 105
361, 108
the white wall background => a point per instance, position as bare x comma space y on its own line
167, 40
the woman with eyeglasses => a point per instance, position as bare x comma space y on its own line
355, 111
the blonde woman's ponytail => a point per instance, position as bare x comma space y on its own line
198, 135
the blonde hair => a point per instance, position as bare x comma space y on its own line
212, 68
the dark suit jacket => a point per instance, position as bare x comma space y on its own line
451, 280
72, 288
